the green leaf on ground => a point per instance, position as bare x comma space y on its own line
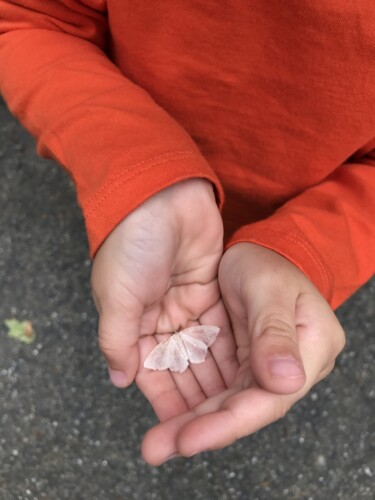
20, 330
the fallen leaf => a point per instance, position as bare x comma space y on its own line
20, 330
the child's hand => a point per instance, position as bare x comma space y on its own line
287, 340
156, 272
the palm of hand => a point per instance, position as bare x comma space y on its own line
268, 323
186, 292
157, 272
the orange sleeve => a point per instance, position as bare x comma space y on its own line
119, 146
328, 231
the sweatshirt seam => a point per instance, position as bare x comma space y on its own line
151, 161
111, 186
312, 254
302, 243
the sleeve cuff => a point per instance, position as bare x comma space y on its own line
289, 242
127, 190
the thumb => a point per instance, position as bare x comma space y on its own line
274, 354
118, 340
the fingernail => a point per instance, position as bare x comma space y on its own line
285, 367
117, 377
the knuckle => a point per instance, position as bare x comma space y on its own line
277, 330
107, 346
274, 324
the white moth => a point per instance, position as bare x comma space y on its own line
189, 345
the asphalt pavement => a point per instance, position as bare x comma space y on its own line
66, 433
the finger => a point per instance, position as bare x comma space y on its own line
240, 415
235, 413
274, 351
218, 422
247, 411
214, 424
169, 393
118, 340
224, 349
189, 387
161, 442
208, 376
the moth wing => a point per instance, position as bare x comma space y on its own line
157, 359
196, 349
167, 355
177, 356
204, 333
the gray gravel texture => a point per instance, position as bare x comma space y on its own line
66, 433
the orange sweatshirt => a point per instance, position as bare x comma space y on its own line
272, 101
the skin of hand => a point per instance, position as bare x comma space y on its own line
157, 272
287, 339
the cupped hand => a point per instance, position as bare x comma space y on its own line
287, 340
157, 273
